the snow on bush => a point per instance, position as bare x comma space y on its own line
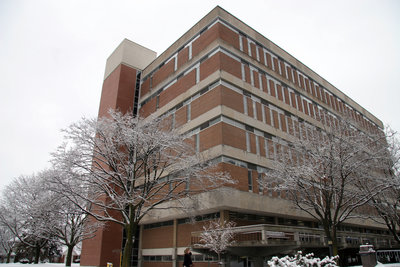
303, 261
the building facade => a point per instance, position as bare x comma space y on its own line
241, 96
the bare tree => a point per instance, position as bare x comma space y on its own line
387, 202
127, 166
7, 242
70, 225
322, 171
217, 236
24, 210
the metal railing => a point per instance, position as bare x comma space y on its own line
270, 235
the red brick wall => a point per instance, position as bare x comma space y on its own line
231, 65
233, 136
232, 99
206, 102
145, 87
229, 36
238, 173
252, 143
205, 39
161, 74
253, 51
160, 237
148, 108
209, 66
104, 247
117, 94
179, 87
286, 93
282, 68
183, 56
117, 90
211, 136
184, 233
268, 119
279, 90
180, 116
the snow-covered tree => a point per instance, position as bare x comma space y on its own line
217, 236
25, 211
299, 260
323, 169
387, 202
128, 166
7, 242
70, 225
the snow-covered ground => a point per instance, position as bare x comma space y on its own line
37, 265
77, 265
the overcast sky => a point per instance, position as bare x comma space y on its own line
53, 54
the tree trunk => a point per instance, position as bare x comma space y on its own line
130, 230
37, 254
333, 236
330, 232
68, 260
9, 256
391, 225
335, 249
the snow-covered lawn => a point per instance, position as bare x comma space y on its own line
37, 265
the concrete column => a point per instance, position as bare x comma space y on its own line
140, 261
263, 235
259, 261
224, 215
174, 244
297, 238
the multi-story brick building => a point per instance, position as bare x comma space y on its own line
241, 96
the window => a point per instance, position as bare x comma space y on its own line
263, 113
197, 142
176, 62
250, 180
249, 46
198, 73
260, 187
257, 146
173, 120
190, 51
251, 76
267, 154
246, 112
247, 142
254, 110
243, 73
188, 112
257, 54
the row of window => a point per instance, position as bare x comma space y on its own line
274, 87
281, 121
195, 258
293, 222
270, 114
194, 66
274, 62
198, 218
187, 45
265, 219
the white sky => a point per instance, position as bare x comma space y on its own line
53, 54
